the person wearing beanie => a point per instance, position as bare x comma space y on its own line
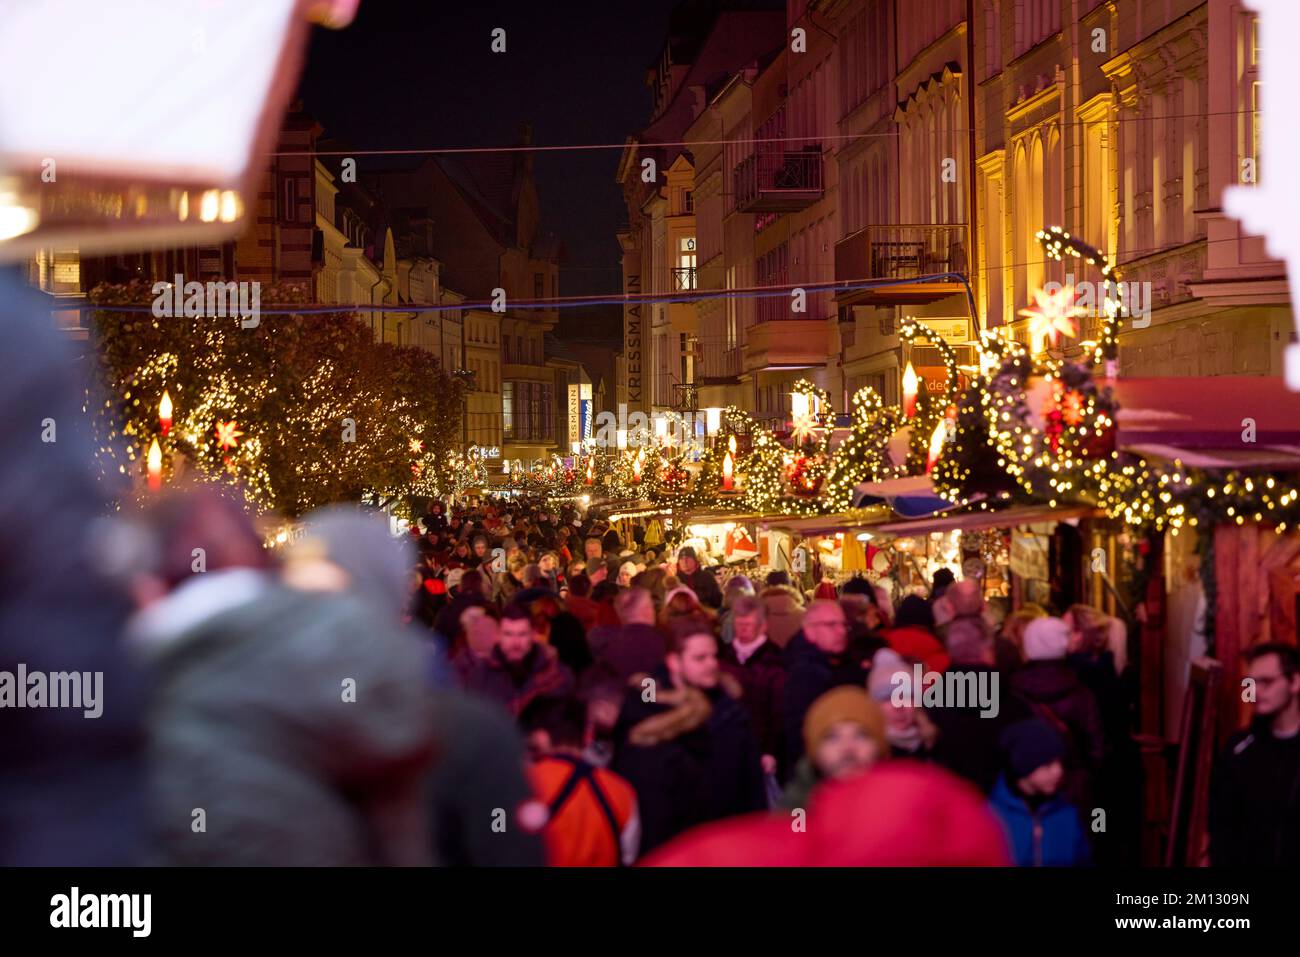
913, 634
1046, 639
891, 684
1054, 693
697, 579
1042, 828
844, 734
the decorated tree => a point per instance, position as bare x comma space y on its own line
864, 455
298, 411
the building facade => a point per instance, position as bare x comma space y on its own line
906, 158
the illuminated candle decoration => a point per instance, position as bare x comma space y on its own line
937, 439
165, 413
728, 471
591, 470
911, 388
154, 465
637, 464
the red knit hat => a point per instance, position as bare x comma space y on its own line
897, 814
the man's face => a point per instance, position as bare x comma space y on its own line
594, 548
1273, 692
1044, 780
687, 565
516, 639
845, 750
747, 628
697, 665
547, 563
825, 627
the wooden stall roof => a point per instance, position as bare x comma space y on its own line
881, 522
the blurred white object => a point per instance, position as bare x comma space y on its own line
141, 123
1272, 207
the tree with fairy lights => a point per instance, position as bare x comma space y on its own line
864, 455
718, 482
299, 411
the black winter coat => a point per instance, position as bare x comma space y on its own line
810, 673
706, 768
1255, 801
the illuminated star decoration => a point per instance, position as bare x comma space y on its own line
227, 434
1054, 314
1071, 408
416, 446
802, 427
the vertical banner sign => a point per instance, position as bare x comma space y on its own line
573, 427
632, 338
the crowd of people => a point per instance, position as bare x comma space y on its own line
512, 684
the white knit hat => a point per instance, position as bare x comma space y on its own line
1046, 639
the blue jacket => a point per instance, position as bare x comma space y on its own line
1052, 836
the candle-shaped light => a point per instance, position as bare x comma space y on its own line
154, 465
637, 464
165, 413
591, 470
728, 472
911, 387
936, 444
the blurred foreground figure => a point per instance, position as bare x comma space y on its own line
898, 814
72, 787
479, 753
289, 725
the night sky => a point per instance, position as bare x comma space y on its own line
422, 74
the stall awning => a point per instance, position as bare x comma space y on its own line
1206, 413
911, 496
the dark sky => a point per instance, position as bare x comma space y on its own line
422, 74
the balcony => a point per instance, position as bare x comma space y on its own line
786, 344
901, 253
684, 277
686, 397
778, 181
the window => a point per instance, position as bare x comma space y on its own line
508, 409
690, 201
289, 211
539, 285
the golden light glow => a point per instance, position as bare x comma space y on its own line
210, 205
